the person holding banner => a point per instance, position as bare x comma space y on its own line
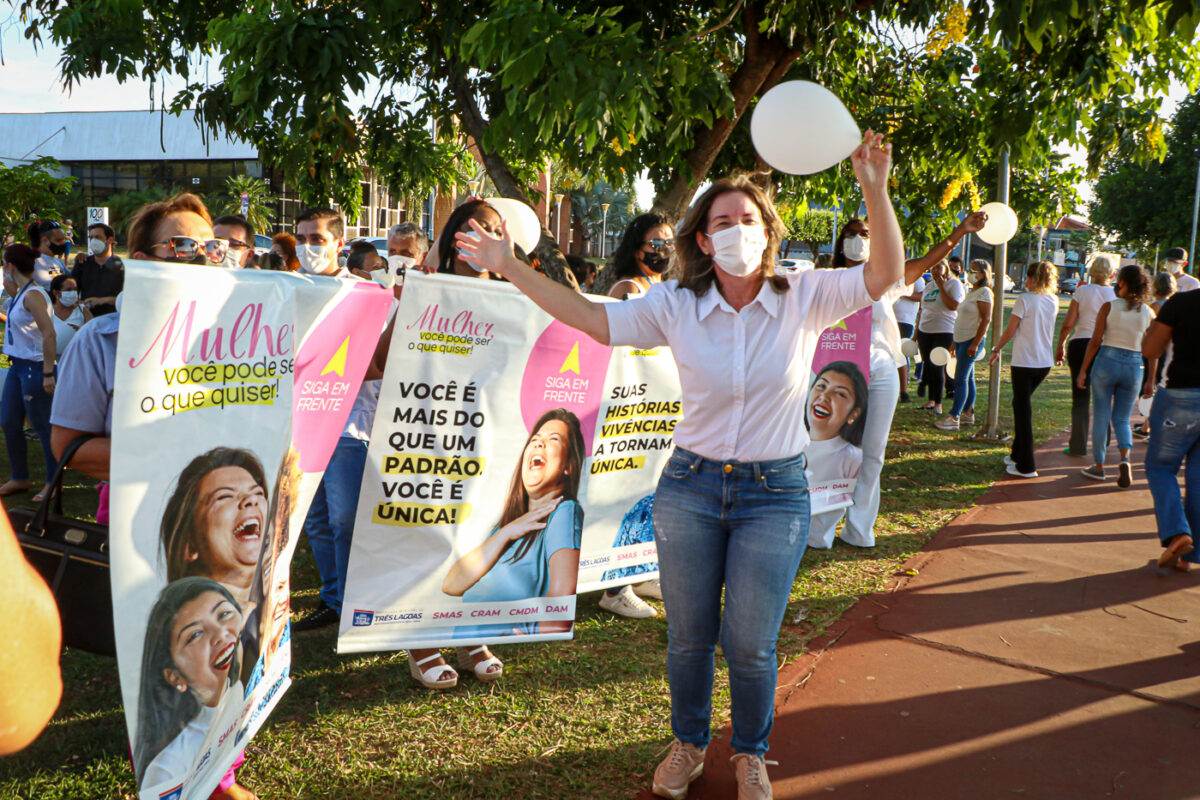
534, 549
179, 230
883, 387
29, 343
731, 507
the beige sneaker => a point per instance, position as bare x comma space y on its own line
682, 765
627, 604
752, 780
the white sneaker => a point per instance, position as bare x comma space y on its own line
651, 589
1012, 470
627, 604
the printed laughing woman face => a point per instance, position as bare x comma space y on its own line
215, 520
534, 549
190, 658
837, 404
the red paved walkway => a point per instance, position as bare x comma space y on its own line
1038, 653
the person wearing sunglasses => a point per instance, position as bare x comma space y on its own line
179, 230
642, 257
239, 233
50, 241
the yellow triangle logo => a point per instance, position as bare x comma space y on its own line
338, 362
572, 362
841, 324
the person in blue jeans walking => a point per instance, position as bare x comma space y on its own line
1175, 428
731, 510
29, 343
1114, 355
970, 337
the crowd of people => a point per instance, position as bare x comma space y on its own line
735, 488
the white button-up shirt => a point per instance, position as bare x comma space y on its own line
745, 374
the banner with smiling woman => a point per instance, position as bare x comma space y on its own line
231, 389
513, 460
837, 411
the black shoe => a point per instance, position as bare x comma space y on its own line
904, 398
920, 390
320, 617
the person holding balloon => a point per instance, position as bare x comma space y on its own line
970, 331
731, 507
884, 386
935, 328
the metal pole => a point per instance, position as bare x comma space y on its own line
1195, 211
1000, 269
604, 231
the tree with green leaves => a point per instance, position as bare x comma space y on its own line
258, 213
811, 227
1149, 202
614, 89
30, 192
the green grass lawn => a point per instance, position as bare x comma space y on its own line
581, 719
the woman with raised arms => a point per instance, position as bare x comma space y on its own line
731, 508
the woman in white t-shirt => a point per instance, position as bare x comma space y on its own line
69, 314
50, 241
1078, 326
29, 345
1031, 330
906, 308
939, 307
1114, 355
731, 509
970, 332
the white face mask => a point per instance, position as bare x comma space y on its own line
1174, 267
68, 298
738, 250
856, 248
97, 246
314, 259
231, 260
471, 264
397, 264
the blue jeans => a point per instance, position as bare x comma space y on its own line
742, 526
1116, 379
964, 375
24, 396
330, 521
1174, 439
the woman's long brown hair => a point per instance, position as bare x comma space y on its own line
695, 268
518, 498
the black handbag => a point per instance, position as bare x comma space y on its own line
72, 556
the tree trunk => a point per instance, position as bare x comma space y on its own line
766, 60
476, 127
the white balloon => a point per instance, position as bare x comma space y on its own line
909, 347
523, 223
801, 127
940, 356
1001, 224
1144, 406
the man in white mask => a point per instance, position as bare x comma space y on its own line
101, 275
407, 245
320, 236
237, 230
1175, 260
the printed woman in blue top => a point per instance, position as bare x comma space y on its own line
534, 549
